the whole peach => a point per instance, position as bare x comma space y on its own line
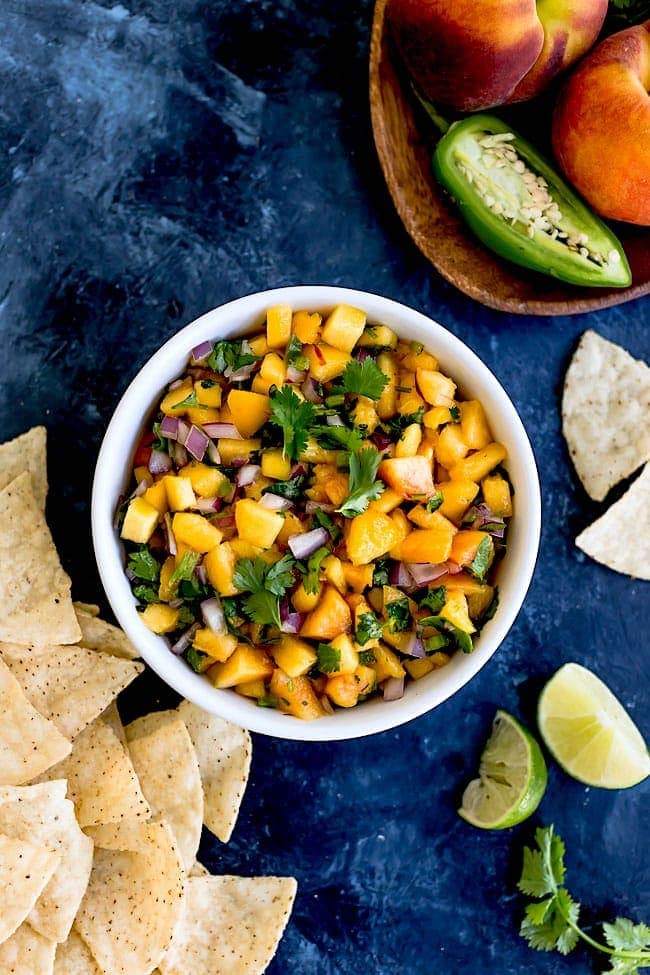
601, 126
474, 54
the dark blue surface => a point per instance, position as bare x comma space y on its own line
159, 160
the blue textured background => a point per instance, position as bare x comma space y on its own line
159, 159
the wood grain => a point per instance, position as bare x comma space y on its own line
404, 144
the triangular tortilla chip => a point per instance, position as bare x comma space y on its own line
168, 770
28, 452
72, 686
91, 608
230, 925
102, 782
97, 634
133, 903
73, 957
41, 814
224, 755
198, 870
606, 413
34, 589
29, 743
24, 871
27, 953
111, 716
620, 539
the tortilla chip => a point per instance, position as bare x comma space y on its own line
41, 814
34, 589
133, 902
230, 925
91, 608
620, 539
28, 452
97, 634
72, 686
111, 716
102, 782
27, 953
168, 770
73, 957
224, 755
25, 869
29, 743
606, 413
198, 870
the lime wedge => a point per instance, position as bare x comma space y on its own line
512, 778
589, 732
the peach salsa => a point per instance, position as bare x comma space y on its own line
316, 514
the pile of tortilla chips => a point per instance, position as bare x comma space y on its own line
100, 824
606, 423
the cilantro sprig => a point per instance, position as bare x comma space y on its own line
143, 565
294, 416
230, 354
364, 379
363, 487
266, 584
551, 920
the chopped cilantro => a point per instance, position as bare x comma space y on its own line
434, 600
434, 643
229, 355
341, 436
311, 579
329, 658
399, 615
368, 628
291, 489
483, 558
294, 354
160, 443
364, 487
323, 520
143, 565
434, 502
269, 701
189, 401
397, 424
294, 416
380, 573
185, 617
462, 639
455, 413
367, 657
146, 594
266, 584
364, 379
185, 568
196, 659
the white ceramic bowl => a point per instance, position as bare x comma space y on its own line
474, 379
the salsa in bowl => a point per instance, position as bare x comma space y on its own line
318, 515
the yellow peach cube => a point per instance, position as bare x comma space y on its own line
180, 493
140, 521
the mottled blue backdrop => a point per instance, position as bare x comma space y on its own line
160, 157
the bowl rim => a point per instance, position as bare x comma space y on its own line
230, 319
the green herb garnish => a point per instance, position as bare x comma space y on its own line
323, 520
455, 413
364, 487
329, 658
294, 354
434, 502
364, 378
189, 401
294, 416
436, 642
339, 436
311, 579
185, 568
266, 585
160, 443
368, 628
399, 615
146, 594
434, 600
269, 701
551, 921
291, 489
230, 355
483, 558
367, 657
397, 424
380, 573
196, 659
143, 565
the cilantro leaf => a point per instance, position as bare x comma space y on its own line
280, 576
434, 643
160, 443
185, 568
367, 657
186, 617
483, 558
455, 413
146, 594
189, 401
266, 584
364, 487
381, 572
230, 354
547, 926
143, 565
329, 658
434, 600
294, 354
196, 659
368, 628
268, 701
396, 425
339, 436
291, 489
434, 502
311, 579
294, 416
625, 935
399, 615
262, 607
462, 639
323, 520
364, 378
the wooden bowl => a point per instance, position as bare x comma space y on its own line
404, 144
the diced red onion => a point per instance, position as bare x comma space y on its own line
312, 506
305, 544
335, 421
196, 443
172, 547
201, 351
297, 470
275, 503
381, 440
201, 574
326, 704
247, 474
310, 392
213, 453
213, 615
184, 641
180, 455
176, 603
169, 427
176, 384
423, 572
362, 354
295, 375
228, 521
183, 432
415, 647
222, 431
208, 505
400, 576
393, 689
482, 518
292, 623
159, 462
